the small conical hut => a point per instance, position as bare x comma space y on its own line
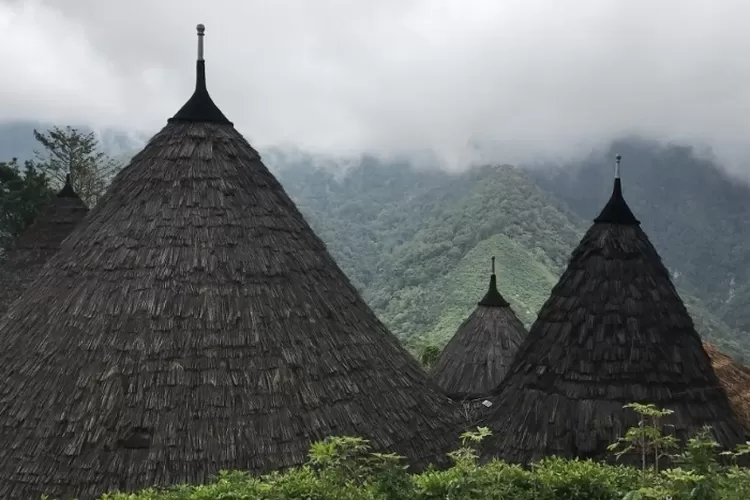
479, 354
31, 250
194, 322
734, 377
613, 331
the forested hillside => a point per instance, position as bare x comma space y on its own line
418, 242
697, 216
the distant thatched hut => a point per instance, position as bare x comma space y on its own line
40, 241
735, 379
195, 322
476, 359
614, 331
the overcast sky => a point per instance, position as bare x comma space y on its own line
342, 76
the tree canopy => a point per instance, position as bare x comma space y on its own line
70, 151
24, 192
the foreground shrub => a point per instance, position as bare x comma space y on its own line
344, 468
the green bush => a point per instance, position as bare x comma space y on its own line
344, 468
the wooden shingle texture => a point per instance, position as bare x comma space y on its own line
194, 322
613, 331
476, 358
40, 241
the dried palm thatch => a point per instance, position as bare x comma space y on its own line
735, 379
477, 357
20, 266
614, 331
194, 322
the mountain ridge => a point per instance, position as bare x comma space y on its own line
460, 213
416, 241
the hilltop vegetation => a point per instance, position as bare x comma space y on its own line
398, 231
417, 242
344, 468
697, 216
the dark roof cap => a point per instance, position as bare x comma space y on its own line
617, 211
493, 298
67, 191
200, 107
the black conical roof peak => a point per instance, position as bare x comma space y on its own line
493, 298
200, 108
617, 211
67, 191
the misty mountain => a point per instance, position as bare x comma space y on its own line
417, 241
697, 216
17, 140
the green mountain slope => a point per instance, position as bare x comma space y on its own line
418, 243
523, 280
697, 216
449, 222
525, 283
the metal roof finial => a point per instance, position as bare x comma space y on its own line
200, 107
201, 32
617, 166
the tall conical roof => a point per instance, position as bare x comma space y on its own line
613, 331
193, 323
478, 355
20, 266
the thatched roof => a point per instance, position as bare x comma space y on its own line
20, 266
735, 379
613, 331
194, 322
477, 357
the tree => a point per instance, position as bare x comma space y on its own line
70, 151
22, 197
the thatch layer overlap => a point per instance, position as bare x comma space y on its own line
193, 323
476, 358
613, 331
41, 240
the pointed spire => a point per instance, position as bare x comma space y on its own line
200, 107
201, 29
617, 211
67, 191
618, 159
493, 298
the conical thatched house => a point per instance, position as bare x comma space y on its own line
193, 323
735, 379
614, 331
477, 357
20, 266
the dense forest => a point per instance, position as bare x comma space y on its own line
417, 242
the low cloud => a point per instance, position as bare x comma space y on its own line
509, 81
